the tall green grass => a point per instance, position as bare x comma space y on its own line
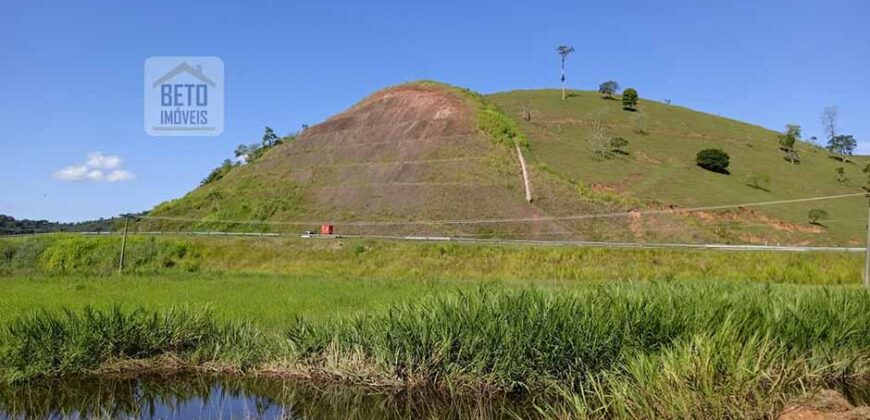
649, 351
50, 344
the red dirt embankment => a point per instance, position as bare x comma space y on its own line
411, 152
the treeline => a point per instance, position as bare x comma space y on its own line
12, 226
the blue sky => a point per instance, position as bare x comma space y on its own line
71, 74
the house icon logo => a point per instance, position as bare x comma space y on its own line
184, 96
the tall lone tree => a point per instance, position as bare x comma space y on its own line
829, 122
608, 88
563, 51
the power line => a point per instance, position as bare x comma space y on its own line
676, 211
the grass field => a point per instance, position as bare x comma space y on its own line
271, 301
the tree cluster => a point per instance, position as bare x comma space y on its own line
11, 226
247, 153
842, 145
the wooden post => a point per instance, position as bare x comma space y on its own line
867, 252
123, 245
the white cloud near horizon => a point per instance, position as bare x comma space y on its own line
97, 168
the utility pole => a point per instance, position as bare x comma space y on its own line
563, 51
123, 244
867, 250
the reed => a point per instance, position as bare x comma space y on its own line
627, 350
51, 344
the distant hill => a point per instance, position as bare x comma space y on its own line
425, 151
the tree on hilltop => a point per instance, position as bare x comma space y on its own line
842, 145
270, 138
629, 99
829, 122
608, 88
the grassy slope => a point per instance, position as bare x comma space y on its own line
370, 259
661, 166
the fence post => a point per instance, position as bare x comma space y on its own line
123, 245
867, 250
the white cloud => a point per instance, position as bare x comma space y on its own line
120, 175
72, 173
95, 175
101, 161
97, 168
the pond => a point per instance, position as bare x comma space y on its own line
216, 397
231, 397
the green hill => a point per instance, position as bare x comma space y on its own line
660, 168
430, 152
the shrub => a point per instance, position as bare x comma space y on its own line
817, 215
68, 253
218, 173
841, 175
759, 181
618, 144
715, 160
499, 127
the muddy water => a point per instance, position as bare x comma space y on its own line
211, 397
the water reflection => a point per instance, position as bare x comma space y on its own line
197, 396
